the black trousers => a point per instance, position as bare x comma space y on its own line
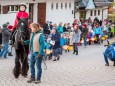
98, 39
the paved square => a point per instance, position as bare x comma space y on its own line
86, 69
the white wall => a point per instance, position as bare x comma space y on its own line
35, 11
77, 15
60, 15
105, 13
7, 18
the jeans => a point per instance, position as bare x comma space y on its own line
34, 59
75, 46
85, 41
4, 50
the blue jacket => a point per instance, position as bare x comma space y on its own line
110, 51
48, 46
62, 41
60, 29
97, 30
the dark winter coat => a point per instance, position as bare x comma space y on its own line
56, 38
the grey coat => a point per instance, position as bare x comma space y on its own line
5, 35
76, 37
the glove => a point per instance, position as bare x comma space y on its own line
39, 56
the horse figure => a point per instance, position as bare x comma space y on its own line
21, 50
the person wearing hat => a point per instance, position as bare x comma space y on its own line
5, 41
56, 43
85, 34
21, 14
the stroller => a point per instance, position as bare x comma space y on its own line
109, 53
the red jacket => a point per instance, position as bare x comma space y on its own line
20, 14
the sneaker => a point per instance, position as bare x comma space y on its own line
31, 80
10, 54
58, 57
54, 60
76, 52
37, 82
114, 64
106, 64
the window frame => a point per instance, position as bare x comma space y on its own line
14, 8
98, 12
95, 11
70, 5
66, 5
57, 6
52, 6
91, 13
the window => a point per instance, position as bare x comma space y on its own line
91, 13
70, 5
52, 5
16, 8
13, 8
61, 5
56, 5
95, 13
65, 5
98, 12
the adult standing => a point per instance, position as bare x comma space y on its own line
97, 31
5, 41
56, 44
60, 28
76, 39
85, 34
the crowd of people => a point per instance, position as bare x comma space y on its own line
56, 39
66, 37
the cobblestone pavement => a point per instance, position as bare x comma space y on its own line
86, 69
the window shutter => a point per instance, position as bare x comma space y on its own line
5, 9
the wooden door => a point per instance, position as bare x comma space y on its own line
41, 13
31, 8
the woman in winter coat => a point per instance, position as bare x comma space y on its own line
65, 28
60, 28
97, 32
56, 44
85, 34
76, 39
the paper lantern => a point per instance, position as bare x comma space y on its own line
70, 48
82, 41
92, 39
47, 51
106, 36
65, 47
103, 38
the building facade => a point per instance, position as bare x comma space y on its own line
100, 11
39, 10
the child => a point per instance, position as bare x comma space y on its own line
76, 39
62, 42
21, 14
48, 49
37, 45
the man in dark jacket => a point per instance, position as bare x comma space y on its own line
56, 46
5, 41
46, 28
